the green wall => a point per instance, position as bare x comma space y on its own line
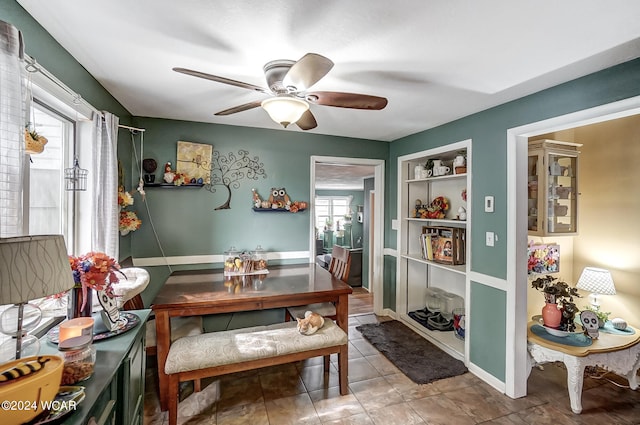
185, 218
488, 131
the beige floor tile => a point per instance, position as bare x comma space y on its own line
382, 364
375, 393
438, 410
354, 353
283, 383
408, 389
397, 414
478, 403
330, 405
242, 391
295, 410
247, 414
361, 419
314, 377
360, 369
364, 347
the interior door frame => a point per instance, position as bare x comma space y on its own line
376, 260
517, 365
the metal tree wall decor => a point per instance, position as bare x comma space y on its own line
229, 170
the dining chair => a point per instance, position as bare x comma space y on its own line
339, 267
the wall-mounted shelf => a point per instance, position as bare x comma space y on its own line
274, 210
172, 186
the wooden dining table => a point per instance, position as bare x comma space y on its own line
210, 291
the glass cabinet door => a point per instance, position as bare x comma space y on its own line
562, 197
532, 198
552, 199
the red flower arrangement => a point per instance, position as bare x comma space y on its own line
437, 209
94, 270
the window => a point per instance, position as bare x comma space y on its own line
331, 209
49, 207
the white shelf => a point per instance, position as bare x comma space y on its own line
438, 220
462, 268
431, 179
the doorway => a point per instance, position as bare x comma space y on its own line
517, 228
374, 254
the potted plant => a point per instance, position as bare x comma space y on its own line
34, 142
559, 310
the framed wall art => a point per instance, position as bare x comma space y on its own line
544, 258
194, 160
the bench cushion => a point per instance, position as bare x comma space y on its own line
239, 345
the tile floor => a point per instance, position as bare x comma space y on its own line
380, 394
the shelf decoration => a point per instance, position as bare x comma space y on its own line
278, 201
436, 210
228, 170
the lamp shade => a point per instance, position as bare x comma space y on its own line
33, 267
284, 109
598, 281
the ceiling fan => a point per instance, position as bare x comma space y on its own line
288, 83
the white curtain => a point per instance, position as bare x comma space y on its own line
104, 229
12, 121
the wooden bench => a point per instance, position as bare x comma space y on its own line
219, 353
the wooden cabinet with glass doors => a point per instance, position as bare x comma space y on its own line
552, 205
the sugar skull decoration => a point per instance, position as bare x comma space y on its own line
589, 320
110, 313
279, 198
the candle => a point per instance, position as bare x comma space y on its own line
79, 327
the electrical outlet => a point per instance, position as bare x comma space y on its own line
489, 238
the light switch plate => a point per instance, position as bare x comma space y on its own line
488, 204
489, 238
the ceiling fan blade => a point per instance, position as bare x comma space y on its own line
307, 121
240, 108
346, 100
307, 71
222, 80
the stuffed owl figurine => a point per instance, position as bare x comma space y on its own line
279, 198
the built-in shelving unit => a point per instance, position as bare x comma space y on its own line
415, 273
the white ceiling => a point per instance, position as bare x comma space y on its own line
435, 61
341, 176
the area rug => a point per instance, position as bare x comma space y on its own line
416, 357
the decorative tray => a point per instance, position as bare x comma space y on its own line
65, 402
126, 322
561, 334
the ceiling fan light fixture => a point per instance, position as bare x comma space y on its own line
285, 110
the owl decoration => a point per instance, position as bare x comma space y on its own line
279, 198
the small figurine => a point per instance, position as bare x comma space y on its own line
257, 202
169, 175
462, 213
279, 198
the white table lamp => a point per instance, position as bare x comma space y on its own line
30, 267
598, 282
